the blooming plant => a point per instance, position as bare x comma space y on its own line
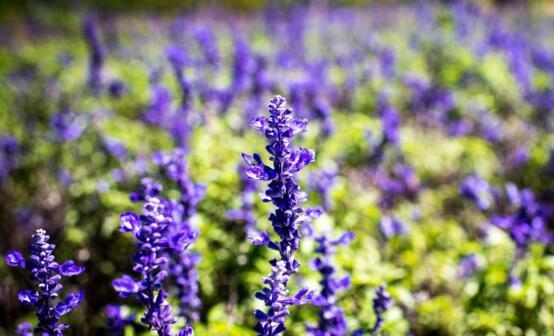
285, 194
47, 275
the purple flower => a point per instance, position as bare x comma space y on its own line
208, 44
182, 263
117, 319
331, 316
391, 227
322, 182
285, 194
275, 297
46, 274
155, 238
381, 303
16, 259
96, 53
468, 265
67, 125
477, 190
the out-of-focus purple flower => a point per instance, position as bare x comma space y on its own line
159, 107
390, 120
431, 103
468, 265
115, 148
387, 61
242, 64
400, 183
9, 156
322, 182
24, 329
67, 125
477, 190
246, 212
331, 316
527, 223
117, 88
46, 274
117, 319
208, 44
96, 53
391, 227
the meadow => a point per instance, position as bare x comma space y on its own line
320, 170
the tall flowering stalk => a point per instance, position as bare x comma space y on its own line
151, 233
46, 274
381, 303
283, 192
182, 262
179, 127
331, 317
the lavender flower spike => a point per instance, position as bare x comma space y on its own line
47, 274
381, 303
283, 191
331, 317
150, 231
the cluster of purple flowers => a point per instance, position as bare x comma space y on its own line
183, 262
516, 211
331, 316
97, 53
283, 191
153, 243
47, 275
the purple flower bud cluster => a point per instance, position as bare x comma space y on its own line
331, 317
182, 262
150, 231
381, 303
47, 275
516, 211
285, 194
526, 222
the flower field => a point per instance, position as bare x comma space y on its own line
321, 170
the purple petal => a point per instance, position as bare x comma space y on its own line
15, 259
69, 269
129, 222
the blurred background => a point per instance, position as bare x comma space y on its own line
432, 124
